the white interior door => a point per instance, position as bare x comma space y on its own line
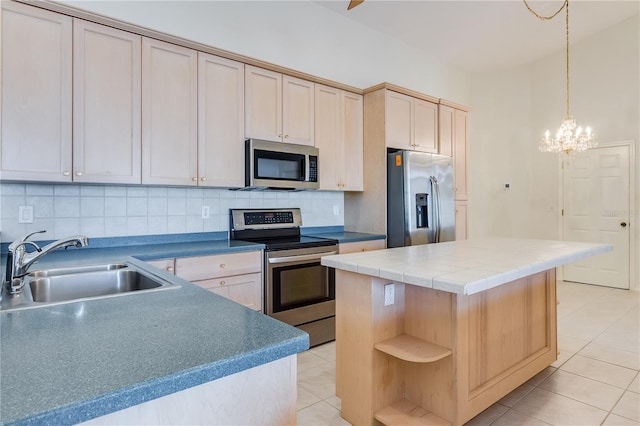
596, 209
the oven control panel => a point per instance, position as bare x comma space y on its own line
267, 218
247, 219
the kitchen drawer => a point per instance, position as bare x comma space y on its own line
361, 246
164, 264
243, 289
221, 265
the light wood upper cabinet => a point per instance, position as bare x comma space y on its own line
339, 117
425, 126
106, 104
169, 114
278, 107
220, 121
399, 120
297, 111
411, 123
36, 94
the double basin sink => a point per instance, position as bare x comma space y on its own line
64, 285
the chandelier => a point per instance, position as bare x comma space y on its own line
570, 138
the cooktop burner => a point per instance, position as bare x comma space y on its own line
277, 229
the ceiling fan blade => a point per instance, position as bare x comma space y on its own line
354, 3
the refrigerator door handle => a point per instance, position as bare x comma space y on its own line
435, 191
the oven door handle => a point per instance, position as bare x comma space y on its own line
301, 257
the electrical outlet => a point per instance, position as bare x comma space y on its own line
205, 212
336, 210
389, 294
25, 214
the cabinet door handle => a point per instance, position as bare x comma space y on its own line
65, 173
78, 173
169, 269
623, 224
203, 178
194, 179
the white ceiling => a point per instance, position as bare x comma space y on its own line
479, 35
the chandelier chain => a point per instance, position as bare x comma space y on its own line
546, 18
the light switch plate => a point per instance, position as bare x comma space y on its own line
205, 212
25, 214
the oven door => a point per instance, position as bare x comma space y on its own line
298, 288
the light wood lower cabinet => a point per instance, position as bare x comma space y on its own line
236, 276
434, 357
360, 246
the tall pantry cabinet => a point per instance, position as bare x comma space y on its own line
454, 142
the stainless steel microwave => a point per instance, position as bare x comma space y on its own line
280, 165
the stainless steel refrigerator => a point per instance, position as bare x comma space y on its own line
420, 207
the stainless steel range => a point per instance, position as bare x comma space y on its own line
298, 290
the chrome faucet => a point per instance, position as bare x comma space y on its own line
19, 261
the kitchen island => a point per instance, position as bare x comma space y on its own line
435, 334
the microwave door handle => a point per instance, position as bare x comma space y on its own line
301, 257
307, 168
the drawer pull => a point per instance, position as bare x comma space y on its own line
222, 265
222, 282
169, 269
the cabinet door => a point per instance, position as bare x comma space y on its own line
460, 154
399, 120
36, 94
220, 121
445, 130
263, 104
106, 104
352, 142
461, 220
243, 289
297, 111
328, 134
425, 122
360, 246
169, 114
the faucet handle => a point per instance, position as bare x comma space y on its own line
24, 238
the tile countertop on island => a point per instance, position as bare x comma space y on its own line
468, 266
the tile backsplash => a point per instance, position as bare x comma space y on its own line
118, 210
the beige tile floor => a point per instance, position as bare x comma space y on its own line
595, 380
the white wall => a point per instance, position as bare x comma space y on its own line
512, 108
300, 35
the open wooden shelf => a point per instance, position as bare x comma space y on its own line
405, 412
412, 349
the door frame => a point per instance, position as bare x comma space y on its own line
634, 207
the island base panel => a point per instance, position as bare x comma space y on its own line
498, 339
264, 395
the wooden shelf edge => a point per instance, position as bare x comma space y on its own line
405, 412
412, 349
